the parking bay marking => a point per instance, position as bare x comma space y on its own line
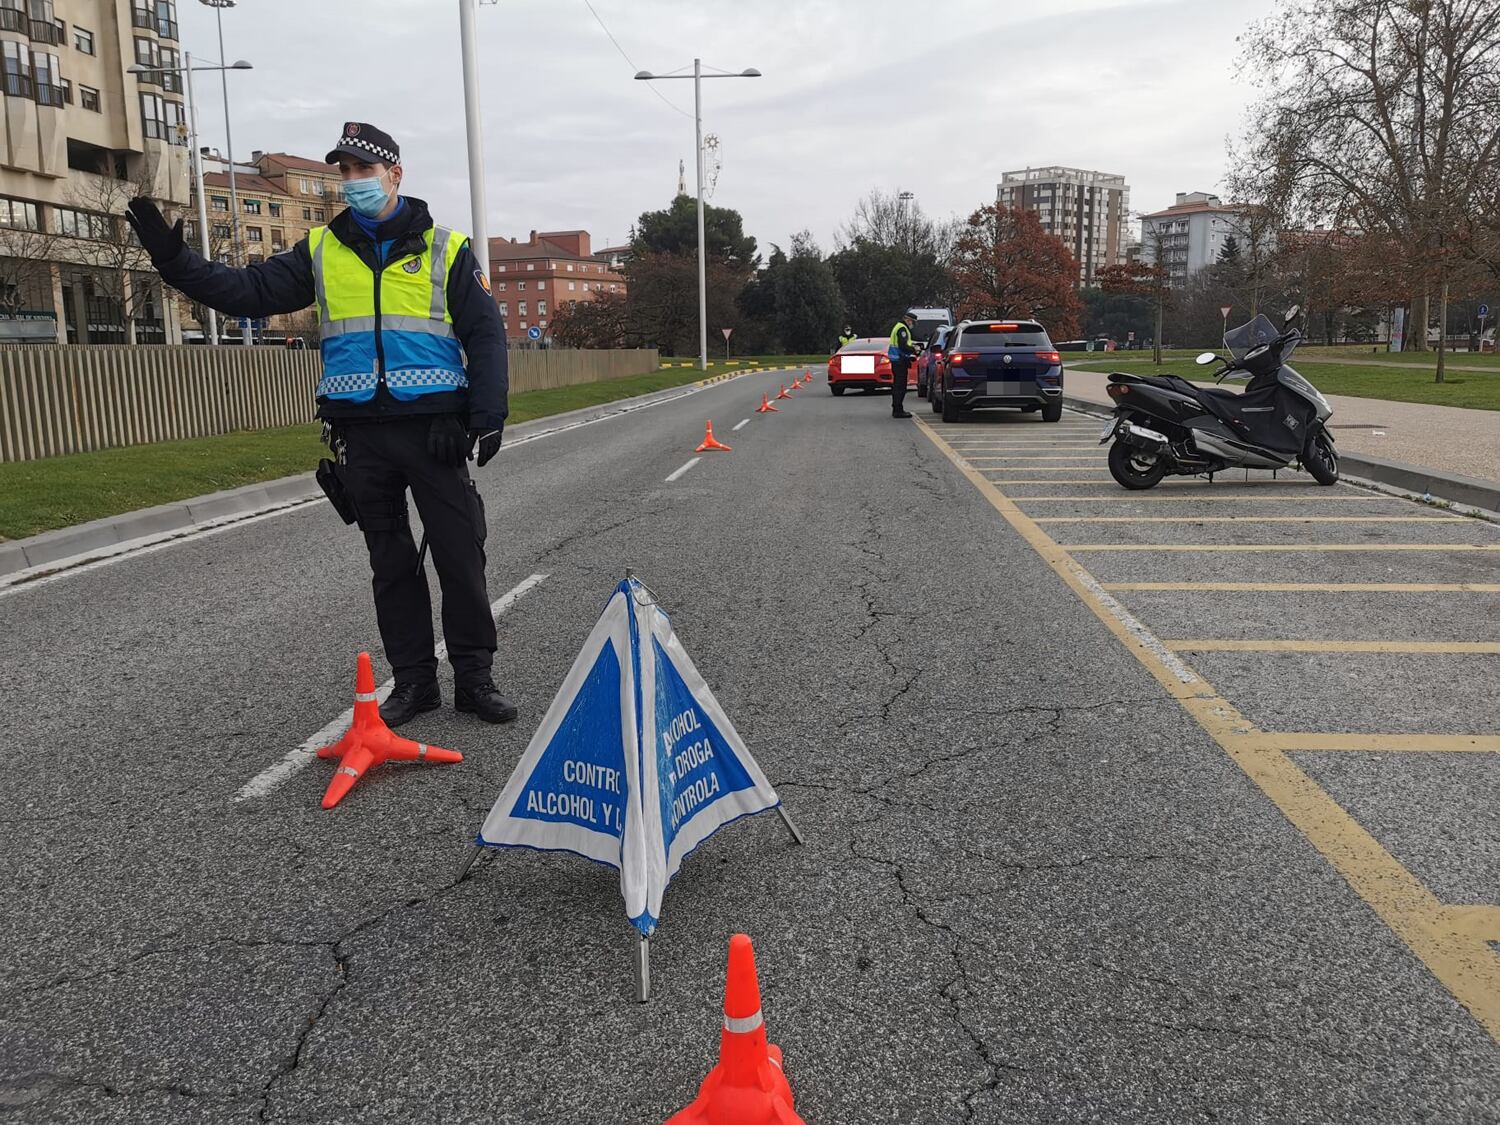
1246, 519
1231, 645
1115, 496
1375, 743
1318, 587
677, 472
271, 778
1442, 936
1284, 546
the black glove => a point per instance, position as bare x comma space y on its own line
446, 441
161, 241
488, 443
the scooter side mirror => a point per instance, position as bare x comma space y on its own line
1205, 358
1291, 314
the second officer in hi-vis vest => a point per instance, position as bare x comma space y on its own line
414, 383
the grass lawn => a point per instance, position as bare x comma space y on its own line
1471, 389
37, 496
739, 363
1363, 354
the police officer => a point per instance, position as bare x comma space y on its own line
414, 380
902, 351
847, 336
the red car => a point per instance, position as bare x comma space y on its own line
864, 366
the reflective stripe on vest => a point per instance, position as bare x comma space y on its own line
422, 355
894, 351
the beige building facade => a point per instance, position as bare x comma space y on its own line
1088, 211
79, 137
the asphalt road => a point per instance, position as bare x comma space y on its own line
1041, 882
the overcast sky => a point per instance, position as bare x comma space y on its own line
938, 98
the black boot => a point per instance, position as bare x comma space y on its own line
410, 700
482, 698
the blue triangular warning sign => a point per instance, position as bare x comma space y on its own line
635, 763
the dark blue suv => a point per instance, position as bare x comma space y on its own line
998, 363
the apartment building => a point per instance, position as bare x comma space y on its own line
531, 280
1189, 234
1088, 211
80, 136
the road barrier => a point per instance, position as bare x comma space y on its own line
57, 399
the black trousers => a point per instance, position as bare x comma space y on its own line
900, 373
384, 459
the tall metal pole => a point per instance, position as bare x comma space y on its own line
247, 336
196, 159
480, 243
702, 252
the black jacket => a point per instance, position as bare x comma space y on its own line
284, 284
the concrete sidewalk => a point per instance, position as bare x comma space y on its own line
1443, 439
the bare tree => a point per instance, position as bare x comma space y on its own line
121, 268
25, 268
1385, 113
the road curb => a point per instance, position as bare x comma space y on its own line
1414, 479
71, 546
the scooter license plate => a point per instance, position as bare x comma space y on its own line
1109, 430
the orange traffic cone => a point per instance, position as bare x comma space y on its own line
747, 1087
783, 393
765, 406
368, 742
711, 442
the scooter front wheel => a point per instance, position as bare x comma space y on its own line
1321, 459
1134, 468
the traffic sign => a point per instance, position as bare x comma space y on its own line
1484, 312
728, 331
534, 332
1224, 311
1130, 336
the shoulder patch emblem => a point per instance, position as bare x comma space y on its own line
483, 281
413, 266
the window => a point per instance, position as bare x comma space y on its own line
166, 18
221, 230
251, 206
500, 268
219, 202
145, 54
154, 117
521, 308
177, 130
82, 224
83, 40
541, 308
255, 234
585, 286
275, 210
307, 214
319, 214
504, 308
17, 213
141, 15
531, 265
17, 63
88, 97
500, 286
570, 267
169, 60
521, 285
45, 79
67, 91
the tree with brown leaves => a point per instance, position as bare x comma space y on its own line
1005, 264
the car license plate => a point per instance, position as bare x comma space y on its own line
1006, 389
857, 365
1109, 430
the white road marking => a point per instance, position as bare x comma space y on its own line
682, 469
270, 778
743, 424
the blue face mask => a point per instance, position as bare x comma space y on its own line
368, 196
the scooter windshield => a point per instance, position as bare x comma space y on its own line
1247, 337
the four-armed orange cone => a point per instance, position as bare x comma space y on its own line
747, 1087
368, 742
711, 442
783, 393
765, 406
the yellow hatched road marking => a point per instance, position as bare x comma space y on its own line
1247, 519
1319, 587
1228, 645
1284, 547
1479, 922
1459, 958
1376, 743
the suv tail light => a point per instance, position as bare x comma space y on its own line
1049, 357
962, 357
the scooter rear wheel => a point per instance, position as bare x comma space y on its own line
1134, 468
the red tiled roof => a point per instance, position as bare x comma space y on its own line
1194, 208
503, 249
302, 163
243, 183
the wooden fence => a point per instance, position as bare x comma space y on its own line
69, 399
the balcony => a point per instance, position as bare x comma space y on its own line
143, 20
18, 86
49, 94
12, 19
45, 31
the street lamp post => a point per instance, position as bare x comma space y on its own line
196, 155
698, 76
247, 336
479, 242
